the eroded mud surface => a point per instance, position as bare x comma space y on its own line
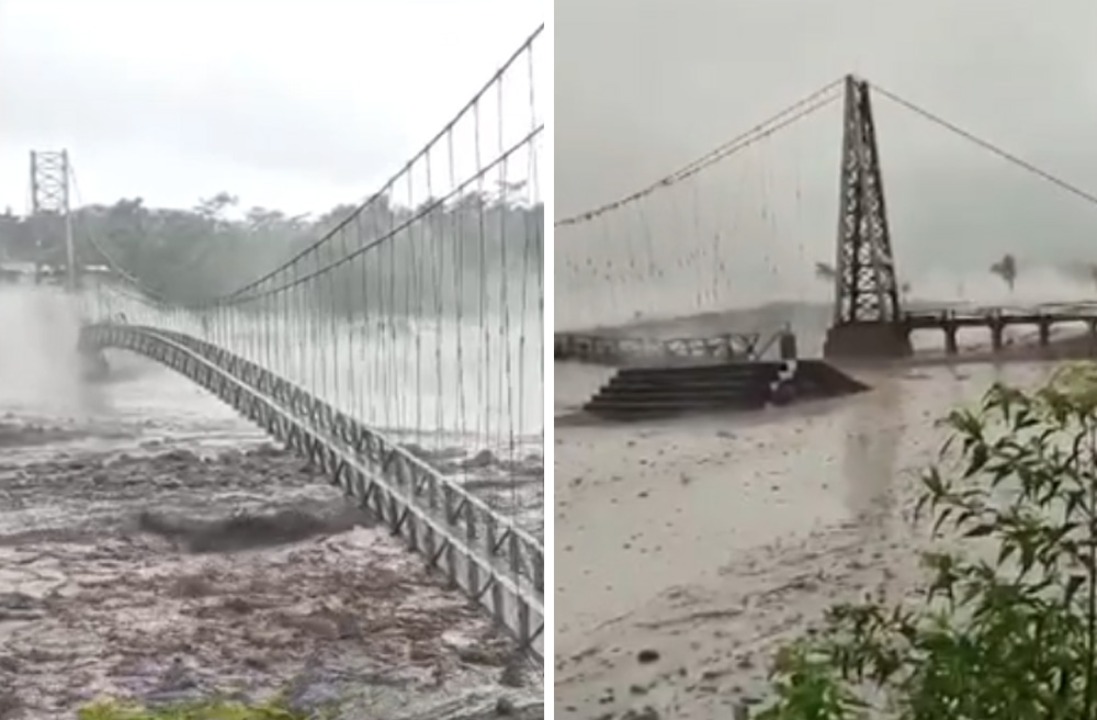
167, 574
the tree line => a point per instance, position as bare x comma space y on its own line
212, 249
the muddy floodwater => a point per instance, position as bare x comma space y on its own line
155, 546
688, 550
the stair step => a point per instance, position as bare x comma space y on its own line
645, 413
649, 392
719, 370
659, 394
677, 403
689, 384
737, 379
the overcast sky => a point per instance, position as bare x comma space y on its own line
292, 104
677, 77
644, 86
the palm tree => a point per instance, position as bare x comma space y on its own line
1006, 268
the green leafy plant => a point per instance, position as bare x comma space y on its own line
207, 710
1006, 626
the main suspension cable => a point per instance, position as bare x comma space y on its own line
987, 145
797, 111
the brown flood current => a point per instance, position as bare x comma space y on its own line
688, 550
153, 546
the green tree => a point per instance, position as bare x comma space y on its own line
1006, 268
199, 254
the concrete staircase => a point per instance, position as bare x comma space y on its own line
657, 392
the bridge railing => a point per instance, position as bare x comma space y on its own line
622, 349
455, 531
413, 325
498, 538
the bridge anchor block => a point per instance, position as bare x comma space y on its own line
867, 340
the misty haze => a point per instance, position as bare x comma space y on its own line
760, 219
264, 352
788, 237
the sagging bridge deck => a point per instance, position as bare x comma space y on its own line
499, 566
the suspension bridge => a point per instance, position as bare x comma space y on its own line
401, 351
717, 257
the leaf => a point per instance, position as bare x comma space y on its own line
979, 531
979, 456
1074, 584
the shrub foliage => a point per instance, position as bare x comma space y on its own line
210, 710
1005, 625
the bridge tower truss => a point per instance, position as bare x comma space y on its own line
867, 313
50, 183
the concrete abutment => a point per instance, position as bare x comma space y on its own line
867, 340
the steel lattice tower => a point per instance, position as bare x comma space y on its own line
867, 313
49, 182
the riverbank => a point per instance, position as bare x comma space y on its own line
688, 551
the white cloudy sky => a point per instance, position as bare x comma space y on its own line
687, 75
644, 86
289, 104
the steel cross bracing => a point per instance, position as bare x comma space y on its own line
487, 556
866, 289
49, 178
50, 205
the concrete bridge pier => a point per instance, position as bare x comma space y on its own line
867, 340
997, 333
1044, 325
952, 347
